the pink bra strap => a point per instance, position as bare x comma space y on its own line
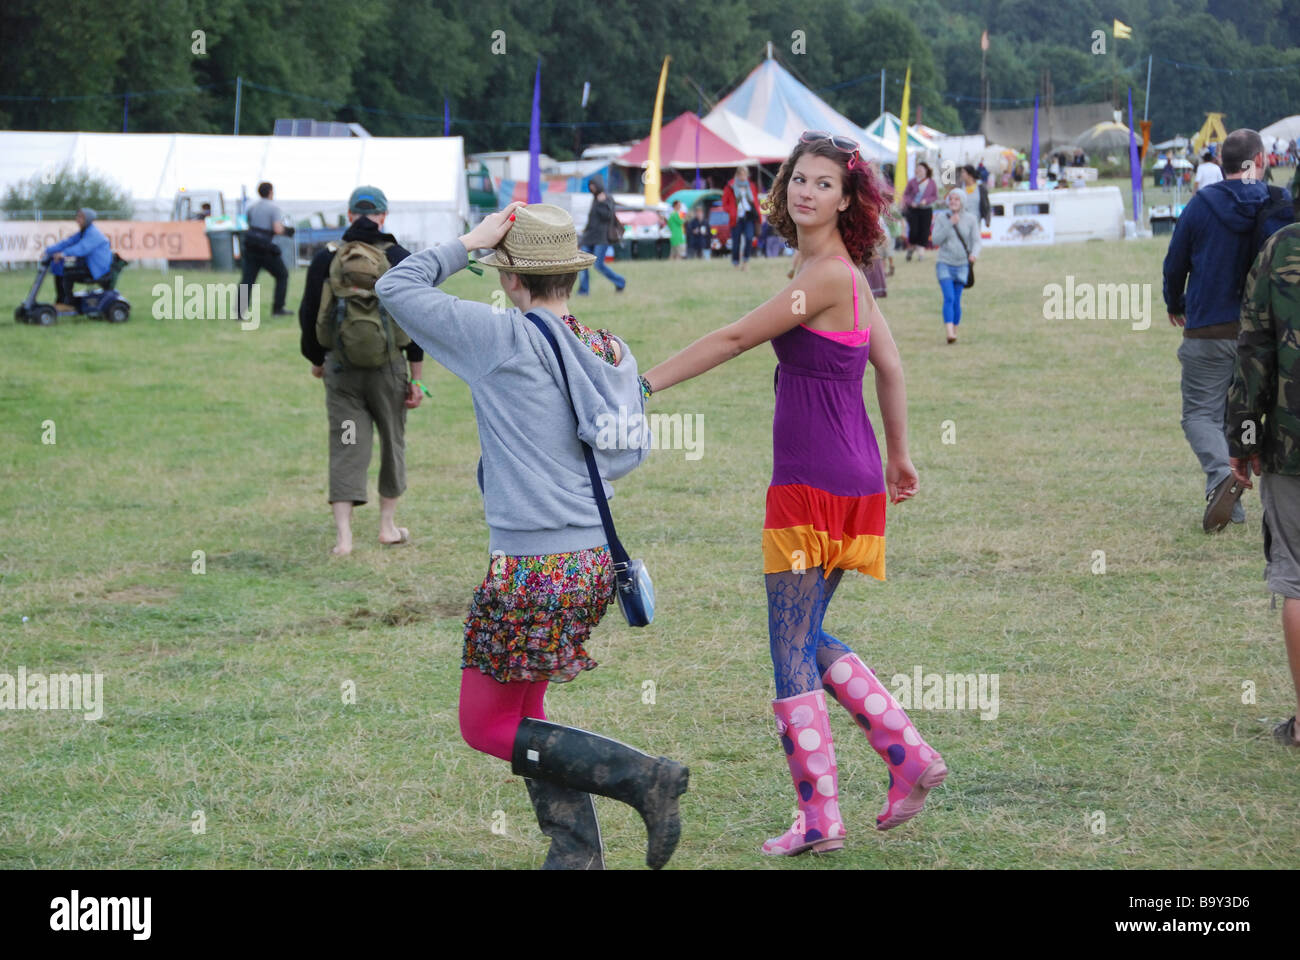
855, 291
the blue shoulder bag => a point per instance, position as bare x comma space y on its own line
634, 589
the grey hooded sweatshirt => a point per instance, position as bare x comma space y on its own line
536, 491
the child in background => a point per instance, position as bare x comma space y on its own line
676, 234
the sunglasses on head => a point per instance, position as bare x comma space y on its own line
842, 144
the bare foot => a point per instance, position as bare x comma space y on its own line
341, 549
387, 537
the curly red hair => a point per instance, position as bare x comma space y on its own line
859, 225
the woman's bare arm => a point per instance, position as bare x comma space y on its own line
802, 299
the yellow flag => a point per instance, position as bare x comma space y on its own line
1122, 31
900, 169
652, 161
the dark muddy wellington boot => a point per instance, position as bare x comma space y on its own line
568, 817
594, 764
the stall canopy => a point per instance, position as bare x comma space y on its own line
423, 177
885, 129
677, 148
771, 99
1106, 136
1286, 129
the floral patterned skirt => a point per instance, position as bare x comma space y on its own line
531, 615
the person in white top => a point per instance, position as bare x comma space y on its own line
1207, 172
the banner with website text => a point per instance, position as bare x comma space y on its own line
25, 240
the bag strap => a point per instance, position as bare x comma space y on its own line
616, 550
962, 241
340, 313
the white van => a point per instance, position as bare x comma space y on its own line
1021, 217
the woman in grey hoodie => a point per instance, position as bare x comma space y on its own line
957, 235
551, 575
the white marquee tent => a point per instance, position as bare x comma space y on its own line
423, 177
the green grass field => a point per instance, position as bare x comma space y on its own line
1121, 693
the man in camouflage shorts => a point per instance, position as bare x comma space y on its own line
1263, 425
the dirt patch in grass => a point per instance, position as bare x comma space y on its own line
138, 595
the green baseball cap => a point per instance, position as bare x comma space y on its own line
367, 200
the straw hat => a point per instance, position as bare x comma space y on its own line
543, 240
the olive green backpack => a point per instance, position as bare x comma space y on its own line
352, 323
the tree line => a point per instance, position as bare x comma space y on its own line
402, 61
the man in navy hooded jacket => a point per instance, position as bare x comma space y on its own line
1210, 253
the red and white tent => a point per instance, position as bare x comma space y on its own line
677, 148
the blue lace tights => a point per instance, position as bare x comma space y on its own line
801, 650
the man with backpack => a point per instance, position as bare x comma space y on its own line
357, 349
1215, 241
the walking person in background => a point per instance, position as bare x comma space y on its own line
740, 200
975, 190
360, 398
918, 198
265, 223
826, 502
1263, 427
597, 235
1208, 172
957, 235
1215, 240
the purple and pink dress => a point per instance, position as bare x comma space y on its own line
826, 502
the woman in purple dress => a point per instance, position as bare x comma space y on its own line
826, 501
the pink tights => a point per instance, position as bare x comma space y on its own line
490, 711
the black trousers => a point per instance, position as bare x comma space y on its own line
75, 273
257, 258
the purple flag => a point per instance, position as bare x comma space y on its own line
446, 119
1033, 152
699, 184
535, 141
1134, 165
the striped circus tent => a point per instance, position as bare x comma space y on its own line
771, 99
746, 137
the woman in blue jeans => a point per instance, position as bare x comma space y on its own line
595, 235
957, 237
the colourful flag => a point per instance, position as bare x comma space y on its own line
446, 118
652, 161
699, 182
900, 168
1134, 164
1033, 152
1122, 31
535, 141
